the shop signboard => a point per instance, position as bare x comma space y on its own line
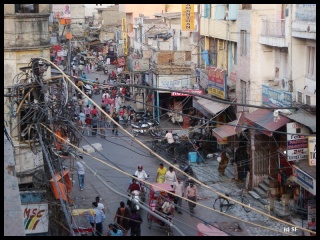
297, 145
312, 150
187, 17
36, 218
217, 83
191, 91
303, 179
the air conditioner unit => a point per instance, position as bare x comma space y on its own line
310, 99
285, 84
300, 97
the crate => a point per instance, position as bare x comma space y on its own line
192, 157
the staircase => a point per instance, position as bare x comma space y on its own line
260, 193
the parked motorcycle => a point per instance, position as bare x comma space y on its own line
141, 115
140, 128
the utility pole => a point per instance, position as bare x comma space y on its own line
199, 48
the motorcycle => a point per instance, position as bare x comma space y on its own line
140, 128
88, 89
143, 190
141, 115
135, 197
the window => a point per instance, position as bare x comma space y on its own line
299, 100
27, 8
207, 10
308, 100
311, 62
235, 54
243, 42
243, 91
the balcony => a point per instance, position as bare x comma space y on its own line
273, 33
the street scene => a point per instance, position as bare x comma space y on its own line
123, 120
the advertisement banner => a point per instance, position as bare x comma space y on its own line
297, 145
36, 218
61, 10
191, 91
275, 98
303, 179
187, 17
217, 82
312, 150
124, 36
140, 65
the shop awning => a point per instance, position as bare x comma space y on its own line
305, 118
224, 131
263, 120
209, 107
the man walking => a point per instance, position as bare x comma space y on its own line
198, 147
94, 124
81, 173
100, 205
96, 220
115, 127
192, 194
179, 190
102, 125
134, 223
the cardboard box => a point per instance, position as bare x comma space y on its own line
192, 157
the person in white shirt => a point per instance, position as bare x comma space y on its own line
141, 174
179, 190
81, 173
117, 102
167, 207
100, 205
170, 177
169, 137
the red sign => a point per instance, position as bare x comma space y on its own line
191, 91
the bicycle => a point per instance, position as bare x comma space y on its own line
223, 204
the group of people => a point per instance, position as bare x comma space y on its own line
169, 176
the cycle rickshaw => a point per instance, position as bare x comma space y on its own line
157, 197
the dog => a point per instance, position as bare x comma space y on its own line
210, 155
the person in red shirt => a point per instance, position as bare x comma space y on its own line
94, 111
123, 92
88, 123
133, 186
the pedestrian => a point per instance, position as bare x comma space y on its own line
192, 194
115, 126
170, 141
93, 65
80, 84
117, 103
88, 121
178, 190
111, 107
161, 172
88, 67
84, 76
102, 125
87, 110
198, 148
80, 103
103, 105
74, 98
94, 111
100, 205
170, 176
94, 124
114, 231
80, 70
135, 223
123, 94
74, 69
81, 173
97, 220
223, 163
90, 104
122, 216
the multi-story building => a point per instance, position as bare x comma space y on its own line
273, 65
26, 36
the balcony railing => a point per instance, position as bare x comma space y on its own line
273, 28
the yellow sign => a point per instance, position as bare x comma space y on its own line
124, 36
216, 92
187, 17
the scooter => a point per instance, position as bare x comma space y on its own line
88, 89
135, 197
140, 128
